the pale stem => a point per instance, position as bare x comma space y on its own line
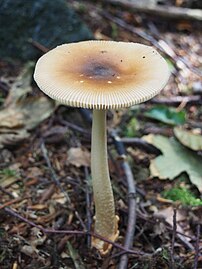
105, 219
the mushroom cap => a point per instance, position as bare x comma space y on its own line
101, 74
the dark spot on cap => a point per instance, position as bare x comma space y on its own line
103, 51
121, 61
99, 71
143, 57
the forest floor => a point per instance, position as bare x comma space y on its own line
46, 201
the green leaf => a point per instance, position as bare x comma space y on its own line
188, 138
175, 160
132, 128
166, 114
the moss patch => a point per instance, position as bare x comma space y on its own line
183, 195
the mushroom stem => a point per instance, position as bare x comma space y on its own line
106, 222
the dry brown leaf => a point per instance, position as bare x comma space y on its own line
21, 112
46, 218
78, 157
29, 251
59, 198
11, 118
37, 207
7, 181
12, 137
167, 214
34, 172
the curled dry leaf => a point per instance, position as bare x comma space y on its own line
21, 85
29, 251
34, 172
11, 137
181, 217
167, 214
21, 112
59, 198
78, 157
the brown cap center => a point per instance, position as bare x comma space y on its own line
99, 71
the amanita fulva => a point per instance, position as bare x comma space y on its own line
101, 75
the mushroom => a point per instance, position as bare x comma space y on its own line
101, 75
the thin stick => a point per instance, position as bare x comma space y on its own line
39, 46
173, 238
131, 201
74, 232
197, 246
141, 144
75, 127
16, 200
177, 100
131, 214
159, 10
88, 207
185, 241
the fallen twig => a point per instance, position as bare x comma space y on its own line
173, 238
177, 100
163, 11
131, 200
75, 127
12, 202
198, 227
185, 242
47, 193
74, 232
149, 129
39, 46
88, 207
137, 142
141, 144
